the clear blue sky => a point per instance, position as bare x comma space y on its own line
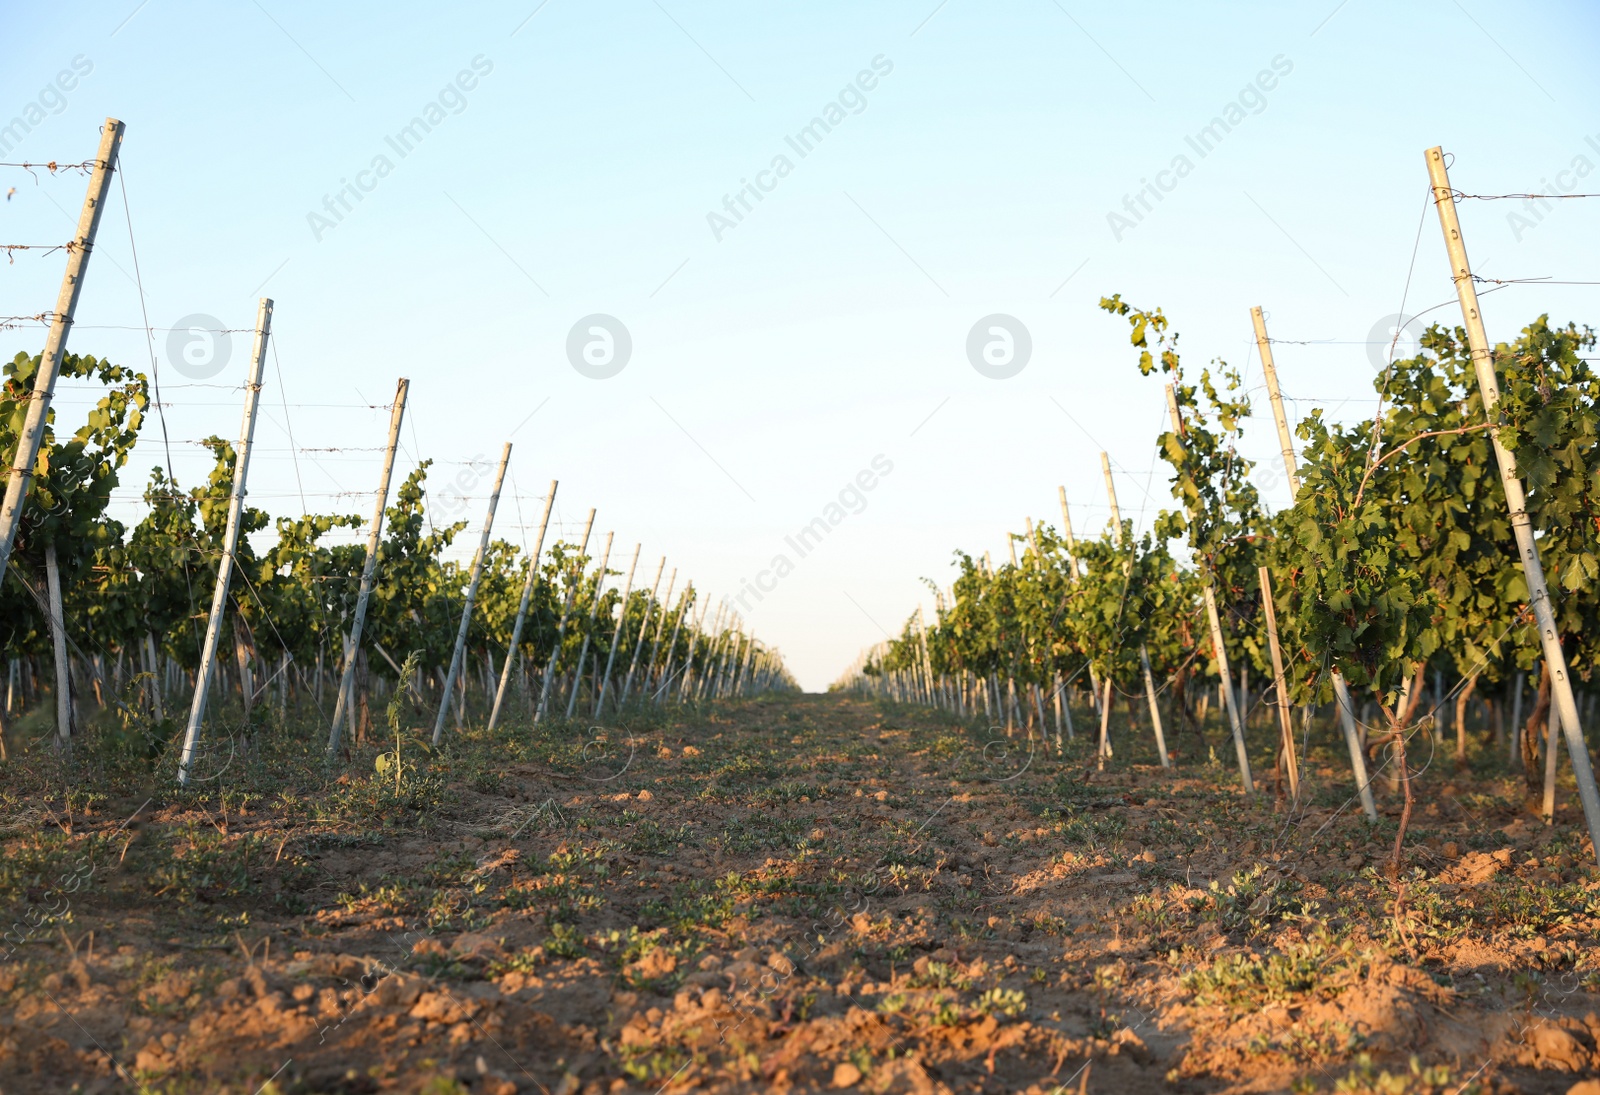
578, 173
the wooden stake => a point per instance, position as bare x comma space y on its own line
58, 646
576, 583
55, 345
230, 540
369, 568
588, 631
1279, 417
622, 620
1347, 722
528, 587
153, 685
478, 564
1155, 711
696, 635
1280, 685
1144, 652
927, 663
662, 612
1105, 728
1516, 500
684, 604
1219, 648
1072, 575
1552, 754
644, 628
1516, 723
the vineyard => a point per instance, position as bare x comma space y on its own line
118, 615
1236, 800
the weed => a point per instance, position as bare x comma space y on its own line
1316, 967
941, 975
564, 941
997, 1001
1365, 1079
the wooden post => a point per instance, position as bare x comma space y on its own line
478, 564
1516, 723
1551, 756
644, 627
1072, 576
1111, 496
243, 654
1275, 396
1355, 740
1516, 500
1347, 721
716, 662
684, 603
747, 666
1218, 647
927, 662
1155, 712
561, 626
1105, 727
1280, 684
55, 345
58, 646
1033, 688
681, 686
1072, 572
369, 569
647, 682
528, 587
154, 683
713, 650
1144, 652
588, 632
230, 539
622, 621
696, 634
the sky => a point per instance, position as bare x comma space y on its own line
787, 312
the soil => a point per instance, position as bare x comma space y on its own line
798, 893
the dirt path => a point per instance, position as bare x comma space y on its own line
798, 893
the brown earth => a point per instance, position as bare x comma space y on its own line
793, 894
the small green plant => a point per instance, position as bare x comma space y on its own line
1364, 1079
941, 975
564, 941
1008, 1002
1248, 981
894, 1003
393, 762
